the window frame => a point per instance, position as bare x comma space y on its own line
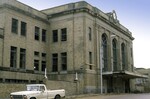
64, 34
36, 53
13, 57
90, 33
44, 35
14, 26
37, 33
90, 60
22, 58
55, 62
55, 35
43, 55
115, 58
43, 66
123, 56
64, 61
23, 28
105, 52
36, 65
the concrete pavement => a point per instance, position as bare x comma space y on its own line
110, 96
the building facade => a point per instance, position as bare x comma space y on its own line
142, 84
23, 42
76, 42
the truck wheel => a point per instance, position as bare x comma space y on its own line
57, 97
33, 98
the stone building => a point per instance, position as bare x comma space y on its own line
142, 84
76, 42
24, 44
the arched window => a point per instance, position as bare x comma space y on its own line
114, 48
104, 53
123, 53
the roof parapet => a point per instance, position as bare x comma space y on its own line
23, 7
93, 10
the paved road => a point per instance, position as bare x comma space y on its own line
125, 96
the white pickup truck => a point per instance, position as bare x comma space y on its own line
38, 91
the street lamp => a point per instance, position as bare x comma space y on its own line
101, 60
45, 74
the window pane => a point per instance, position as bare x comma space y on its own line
43, 35
90, 34
36, 65
37, 33
123, 56
90, 60
104, 54
23, 28
114, 44
64, 61
14, 26
55, 62
13, 57
44, 55
55, 35
22, 58
36, 53
43, 65
64, 34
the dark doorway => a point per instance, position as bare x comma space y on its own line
127, 86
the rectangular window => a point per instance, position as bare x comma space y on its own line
55, 35
43, 35
43, 55
23, 28
55, 62
37, 33
36, 65
36, 53
22, 58
14, 26
90, 34
64, 61
13, 57
90, 60
131, 52
43, 66
64, 34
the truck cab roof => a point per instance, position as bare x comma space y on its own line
35, 85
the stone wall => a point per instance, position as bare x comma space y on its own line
6, 89
70, 88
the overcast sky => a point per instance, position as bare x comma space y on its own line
133, 14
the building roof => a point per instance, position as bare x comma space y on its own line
125, 74
24, 9
82, 6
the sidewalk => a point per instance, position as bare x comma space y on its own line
80, 96
90, 95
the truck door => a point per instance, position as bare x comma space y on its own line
50, 94
44, 94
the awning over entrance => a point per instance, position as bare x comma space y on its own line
124, 74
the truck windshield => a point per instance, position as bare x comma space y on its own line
33, 88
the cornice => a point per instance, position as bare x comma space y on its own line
109, 21
8, 6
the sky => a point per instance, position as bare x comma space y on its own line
133, 14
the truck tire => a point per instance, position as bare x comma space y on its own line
57, 97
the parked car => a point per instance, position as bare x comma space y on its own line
38, 91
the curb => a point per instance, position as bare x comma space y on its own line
80, 96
